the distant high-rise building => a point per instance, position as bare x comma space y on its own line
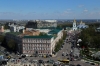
31, 24
42, 24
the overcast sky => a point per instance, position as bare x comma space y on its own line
49, 9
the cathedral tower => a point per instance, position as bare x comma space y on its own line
74, 25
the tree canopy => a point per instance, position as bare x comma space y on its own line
11, 44
90, 38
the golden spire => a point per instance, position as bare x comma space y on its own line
74, 20
81, 21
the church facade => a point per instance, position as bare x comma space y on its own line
82, 25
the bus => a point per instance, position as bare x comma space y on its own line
64, 61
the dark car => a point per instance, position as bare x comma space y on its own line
92, 63
4, 63
68, 58
50, 61
20, 58
23, 56
62, 54
31, 56
50, 55
47, 56
40, 61
78, 65
66, 54
6, 54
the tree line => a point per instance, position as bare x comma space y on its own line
60, 42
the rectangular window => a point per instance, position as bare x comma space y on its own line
36, 40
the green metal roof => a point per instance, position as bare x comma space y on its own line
45, 36
54, 31
47, 27
14, 33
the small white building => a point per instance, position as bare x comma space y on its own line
16, 28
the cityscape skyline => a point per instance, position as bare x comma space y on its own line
49, 9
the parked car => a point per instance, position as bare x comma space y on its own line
23, 56
20, 58
62, 54
92, 63
31, 55
78, 65
40, 61
50, 55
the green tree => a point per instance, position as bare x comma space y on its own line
64, 35
6, 27
1, 38
42, 33
11, 44
90, 38
60, 42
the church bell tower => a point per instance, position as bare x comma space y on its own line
74, 25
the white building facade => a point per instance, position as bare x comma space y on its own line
37, 44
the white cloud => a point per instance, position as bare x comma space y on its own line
85, 10
68, 9
81, 6
66, 12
